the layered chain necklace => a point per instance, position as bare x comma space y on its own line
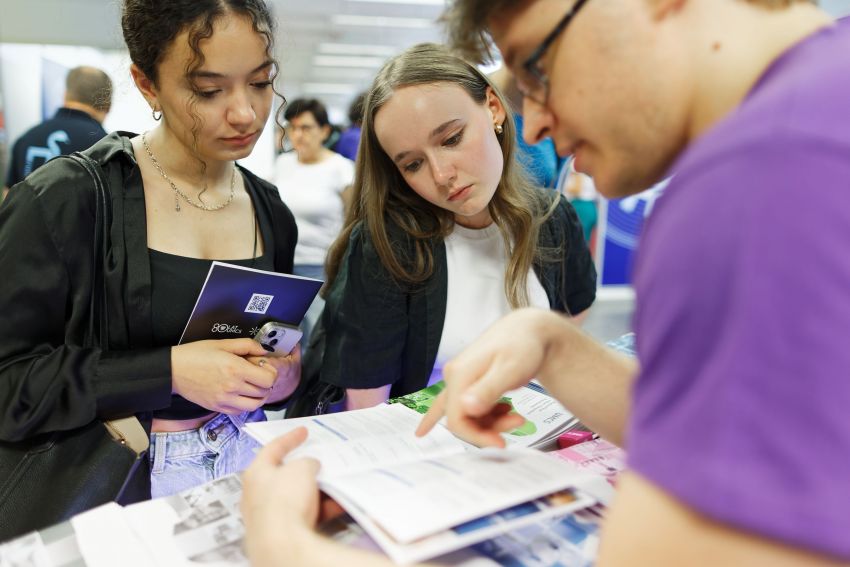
178, 193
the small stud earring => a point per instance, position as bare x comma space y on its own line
153, 113
498, 128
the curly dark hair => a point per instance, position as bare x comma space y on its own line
150, 27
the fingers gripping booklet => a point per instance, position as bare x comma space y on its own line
236, 301
423, 497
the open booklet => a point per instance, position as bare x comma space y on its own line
545, 417
569, 541
203, 525
235, 301
423, 497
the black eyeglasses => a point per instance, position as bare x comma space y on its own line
535, 83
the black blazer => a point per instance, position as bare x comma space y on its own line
48, 382
378, 331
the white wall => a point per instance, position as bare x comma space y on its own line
21, 75
836, 7
20, 72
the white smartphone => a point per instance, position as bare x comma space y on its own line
278, 338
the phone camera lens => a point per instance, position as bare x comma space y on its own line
273, 333
273, 342
269, 348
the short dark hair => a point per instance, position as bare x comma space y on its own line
313, 106
90, 86
466, 23
355, 110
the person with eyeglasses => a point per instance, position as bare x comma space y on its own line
741, 305
314, 182
735, 415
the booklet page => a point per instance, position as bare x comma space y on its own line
417, 499
474, 531
202, 525
361, 440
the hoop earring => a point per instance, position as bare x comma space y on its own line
155, 117
498, 128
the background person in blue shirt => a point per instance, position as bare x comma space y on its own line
74, 127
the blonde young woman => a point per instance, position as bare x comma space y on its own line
444, 236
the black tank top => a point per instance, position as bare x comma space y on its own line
176, 282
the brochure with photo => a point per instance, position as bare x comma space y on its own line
422, 497
236, 301
545, 417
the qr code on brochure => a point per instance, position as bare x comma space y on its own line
259, 303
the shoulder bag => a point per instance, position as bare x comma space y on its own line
50, 477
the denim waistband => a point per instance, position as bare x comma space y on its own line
209, 438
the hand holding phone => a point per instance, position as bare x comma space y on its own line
278, 339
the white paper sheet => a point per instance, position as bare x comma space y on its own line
360, 440
106, 540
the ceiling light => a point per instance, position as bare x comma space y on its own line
346, 61
330, 88
381, 22
336, 73
357, 49
418, 2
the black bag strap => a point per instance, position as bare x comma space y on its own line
126, 430
98, 331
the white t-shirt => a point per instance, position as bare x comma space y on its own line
312, 192
476, 260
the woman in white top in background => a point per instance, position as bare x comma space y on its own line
314, 182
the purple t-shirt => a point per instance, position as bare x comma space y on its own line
348, 142
742, 406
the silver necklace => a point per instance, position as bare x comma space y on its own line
178, 192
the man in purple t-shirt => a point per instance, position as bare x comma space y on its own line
738, 417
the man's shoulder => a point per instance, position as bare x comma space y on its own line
36, 135
799, 104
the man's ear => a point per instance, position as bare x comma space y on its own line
145, 86
495, 106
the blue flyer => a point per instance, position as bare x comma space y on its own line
235, 302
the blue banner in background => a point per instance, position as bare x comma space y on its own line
619, 234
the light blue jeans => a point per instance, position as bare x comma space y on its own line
184, 459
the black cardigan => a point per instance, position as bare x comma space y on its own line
48, 382
379, 332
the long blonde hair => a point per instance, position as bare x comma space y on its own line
381, 197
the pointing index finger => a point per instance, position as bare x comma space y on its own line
434, 414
